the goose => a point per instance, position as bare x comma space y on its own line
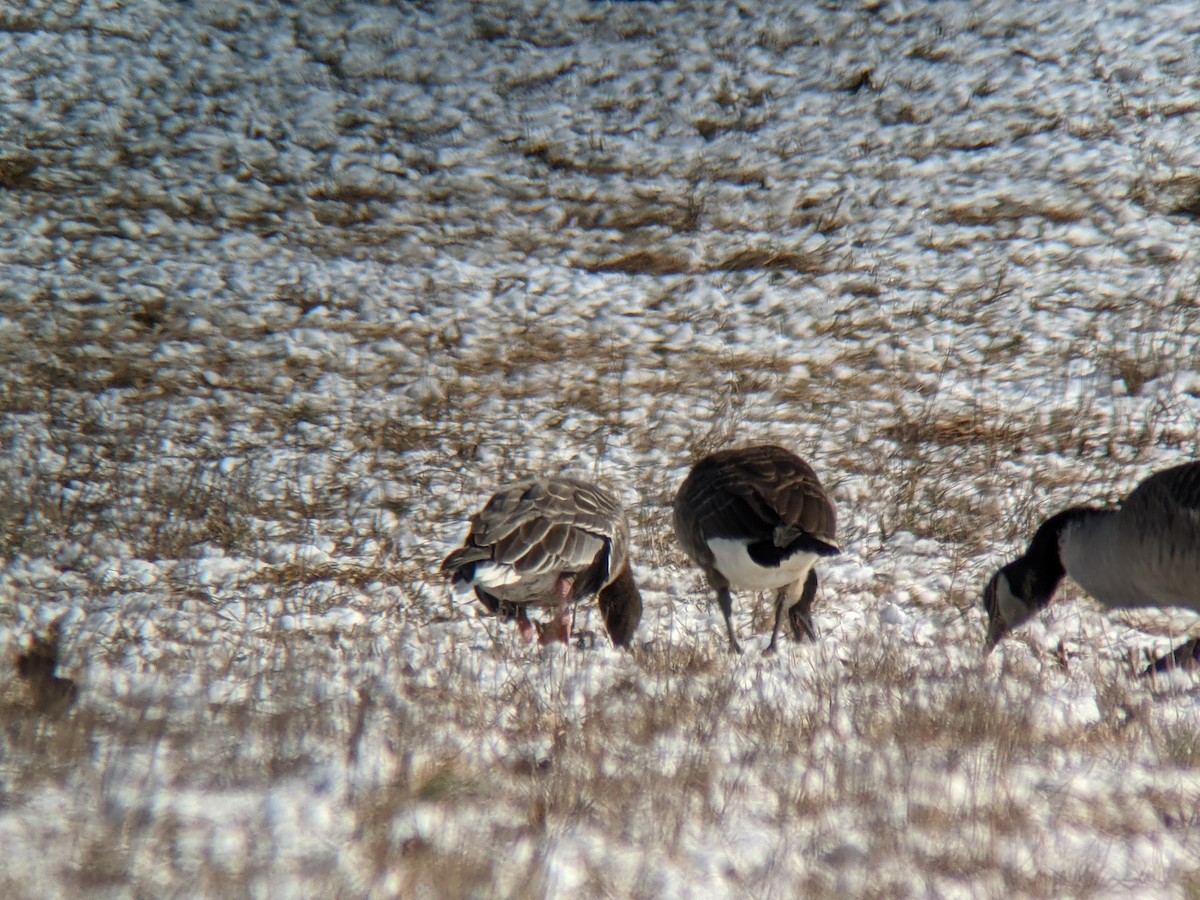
757, 518
1144, 554
37, 666
549, 542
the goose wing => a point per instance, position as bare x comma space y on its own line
1158, 539
1175, 488
761, 493
546, 525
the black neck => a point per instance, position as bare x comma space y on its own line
1038, 572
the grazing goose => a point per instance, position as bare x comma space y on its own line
550, 542
757, 518
1147, 553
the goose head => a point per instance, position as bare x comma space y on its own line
1025, 586
1005, 609
1018, 592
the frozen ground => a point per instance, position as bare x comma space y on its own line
288, 289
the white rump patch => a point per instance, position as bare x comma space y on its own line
733, 559
494, 575
462, 589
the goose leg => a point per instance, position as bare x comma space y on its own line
527, 629
800, 614
780, 605
725, 601
558, 628
1185, 656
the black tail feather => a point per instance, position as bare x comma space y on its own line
765, 553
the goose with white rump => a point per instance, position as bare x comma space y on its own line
1144, 554
550, 543
757, 518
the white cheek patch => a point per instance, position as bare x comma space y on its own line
1013, 610
733, 560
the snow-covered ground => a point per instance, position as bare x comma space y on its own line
289, 288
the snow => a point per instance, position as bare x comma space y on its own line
289, 290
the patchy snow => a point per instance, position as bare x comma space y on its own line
289, 290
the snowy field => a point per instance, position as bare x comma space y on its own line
288, 289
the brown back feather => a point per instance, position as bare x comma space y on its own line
750, 492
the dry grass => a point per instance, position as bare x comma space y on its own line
750, 259
238, 447
672, 741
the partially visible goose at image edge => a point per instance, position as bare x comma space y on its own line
1146, 553
757, 518
550, 542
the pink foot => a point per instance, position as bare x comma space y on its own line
558, 628
529, 633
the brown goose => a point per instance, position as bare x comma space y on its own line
550, 542
1147, 553
757, 518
